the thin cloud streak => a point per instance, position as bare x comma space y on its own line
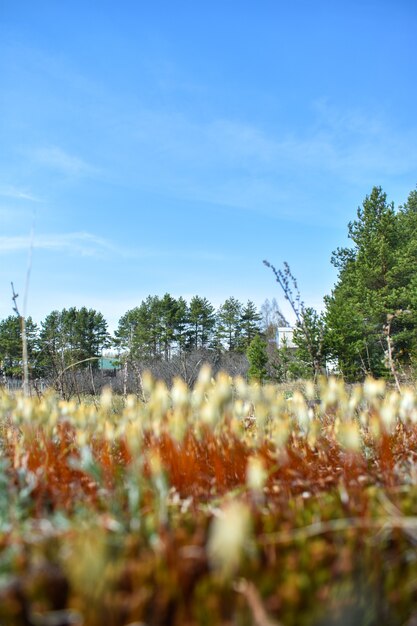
62, 161
89, 245
81, 243
238, 164
17, 194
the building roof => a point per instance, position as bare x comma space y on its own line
108, 364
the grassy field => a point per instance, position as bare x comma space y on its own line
226, 504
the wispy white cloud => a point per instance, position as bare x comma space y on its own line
90, 245
81, 243
349, 143
18, 194
62, 161
352, 144
244, 165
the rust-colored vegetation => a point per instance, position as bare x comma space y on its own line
225, 504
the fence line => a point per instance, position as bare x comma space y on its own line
16, 384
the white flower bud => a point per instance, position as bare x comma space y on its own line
229, 533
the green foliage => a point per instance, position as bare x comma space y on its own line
159, 329
280, 362
377, 279
229, 323
201, 320
258, 359
309, 356
70, 336
250, 324
11, 344
163, 327
133, 334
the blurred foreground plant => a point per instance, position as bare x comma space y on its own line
227, 502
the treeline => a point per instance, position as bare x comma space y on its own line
160, 329
65, 338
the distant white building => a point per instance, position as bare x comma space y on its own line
285, 336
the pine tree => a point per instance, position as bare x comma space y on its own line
258, 359
281, 362
371, 286
91, 336
11, 345
249, 324
181, 325
404, 324
168, 312
52, 345
309, 355
138, 332
201, 318
70, 336
229, 324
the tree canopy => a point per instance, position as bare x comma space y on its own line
377, 279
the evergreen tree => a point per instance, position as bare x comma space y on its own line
404, 324
281, 362
229, 323
152, 330
309, 356
135, 335
181, 325
376, 278
162, 327
201, 322
258, 359
90, 336
52, 344
168, 321
249, 325
70, 336
11, 345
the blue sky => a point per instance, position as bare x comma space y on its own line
171, 146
